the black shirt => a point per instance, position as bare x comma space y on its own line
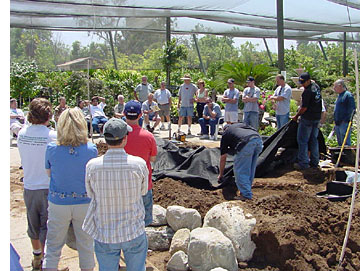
311, 99
235, 137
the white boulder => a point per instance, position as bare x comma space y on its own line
210, 248
179, 217
180, 241
229, 218
159, 216
218, 269
178, 262
159, 238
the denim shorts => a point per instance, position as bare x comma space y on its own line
186, 111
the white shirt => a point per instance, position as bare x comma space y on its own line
32, 142
98, 110
15, 112
116, 182
162, 96
283, 107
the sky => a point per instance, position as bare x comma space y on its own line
69, 37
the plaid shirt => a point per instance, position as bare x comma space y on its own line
115, 182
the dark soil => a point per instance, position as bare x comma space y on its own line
295, 230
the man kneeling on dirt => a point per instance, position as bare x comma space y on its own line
32, 142
245, 143
116, 182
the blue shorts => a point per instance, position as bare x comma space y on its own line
186, 111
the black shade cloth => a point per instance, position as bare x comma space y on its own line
199, 167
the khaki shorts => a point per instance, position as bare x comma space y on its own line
164, 110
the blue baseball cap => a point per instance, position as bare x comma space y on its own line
132, 108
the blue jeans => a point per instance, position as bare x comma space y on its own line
108, 255
245, 166
252, 119
96, 121
340, 131
148, 205
281, 120
204, 125
307, 134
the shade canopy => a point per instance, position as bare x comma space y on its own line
303, 19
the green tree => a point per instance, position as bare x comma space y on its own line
23, 80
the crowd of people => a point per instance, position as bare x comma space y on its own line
108, 200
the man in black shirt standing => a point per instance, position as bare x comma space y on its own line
308, 130
245, 143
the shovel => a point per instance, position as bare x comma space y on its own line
343, 144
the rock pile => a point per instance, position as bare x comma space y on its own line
223, 240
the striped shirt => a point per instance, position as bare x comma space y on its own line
115, 182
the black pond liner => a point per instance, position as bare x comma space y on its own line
336, 191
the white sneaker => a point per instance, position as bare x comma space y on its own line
162, 127
212, 137
204, 137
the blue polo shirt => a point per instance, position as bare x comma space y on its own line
344, 106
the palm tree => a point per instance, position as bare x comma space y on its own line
240, 71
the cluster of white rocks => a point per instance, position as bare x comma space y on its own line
223, 240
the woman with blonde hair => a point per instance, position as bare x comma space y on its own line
65, 162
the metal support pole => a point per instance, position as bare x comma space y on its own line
280, 34
345, 63
168, 39
199, 55
268, 51
323, 50
112, 50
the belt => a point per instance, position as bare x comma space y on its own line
163, 104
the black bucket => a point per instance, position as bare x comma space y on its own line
347, 158
336, 191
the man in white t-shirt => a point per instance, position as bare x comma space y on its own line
231, 100
32, 142
17, 118
163, 97
97, 113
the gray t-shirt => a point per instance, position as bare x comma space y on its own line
187, 93
283, 107
147, 106
119, 108
142, 91
216, 108
232, 94
252, 93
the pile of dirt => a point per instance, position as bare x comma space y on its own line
295, 230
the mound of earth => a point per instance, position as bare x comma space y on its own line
295, 230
